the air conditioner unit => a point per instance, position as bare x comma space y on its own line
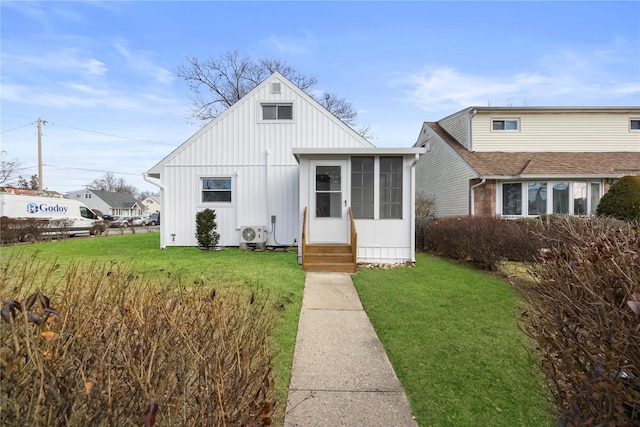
253, 234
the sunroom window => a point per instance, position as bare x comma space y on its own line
391, 187
362, 187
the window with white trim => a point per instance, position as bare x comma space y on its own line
216, 190
277, 111
634, 125
505, 125
534, 198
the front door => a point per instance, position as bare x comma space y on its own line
328, 219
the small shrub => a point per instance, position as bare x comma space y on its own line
483, 241
425, 211
108, 348
622, 201
581, 312
206, 228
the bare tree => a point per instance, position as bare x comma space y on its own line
8, 170
32, 184
218, 83
108, 182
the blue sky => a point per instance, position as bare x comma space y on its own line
103, 74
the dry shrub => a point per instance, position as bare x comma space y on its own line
425, 211
582, 316
14, 230
108, 348
481, 240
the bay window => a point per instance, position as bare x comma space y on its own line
548, 197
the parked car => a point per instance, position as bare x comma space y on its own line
115, 222
153, 219
109, 217
132, 221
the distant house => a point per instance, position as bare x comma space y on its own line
276, 154
526, 161
108, 202
150, 204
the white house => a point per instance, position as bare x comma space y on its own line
108, 202
275, 154
150, 204
526, 161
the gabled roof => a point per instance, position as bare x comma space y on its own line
117, 200
543, 164
155, 170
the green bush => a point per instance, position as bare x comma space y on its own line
206, 228
622, 201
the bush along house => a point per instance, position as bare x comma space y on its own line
519, 162
281, 170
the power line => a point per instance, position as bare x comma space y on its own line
92, 170
19, 127
120, 136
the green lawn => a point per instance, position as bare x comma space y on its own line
450, 331
452, 335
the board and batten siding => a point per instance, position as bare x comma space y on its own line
442, 175
567, 132
258, 156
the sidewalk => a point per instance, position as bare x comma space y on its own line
341, 375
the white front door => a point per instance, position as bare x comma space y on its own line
328, 216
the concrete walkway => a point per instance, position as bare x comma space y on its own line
341, 375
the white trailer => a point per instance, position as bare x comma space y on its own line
52, 215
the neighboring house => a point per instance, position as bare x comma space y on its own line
275, 153
150, 204
108, 202
526, 161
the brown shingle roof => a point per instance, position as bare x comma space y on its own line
523, 164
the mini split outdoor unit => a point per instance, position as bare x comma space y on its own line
253, 234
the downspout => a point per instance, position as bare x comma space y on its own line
266, 183
472, 195
158, 183
413, 207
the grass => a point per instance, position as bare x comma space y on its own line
276, 273
450, 331
452, 335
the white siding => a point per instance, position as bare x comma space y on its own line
239, 144
442, 175
549, 131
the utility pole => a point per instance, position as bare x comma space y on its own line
40, 155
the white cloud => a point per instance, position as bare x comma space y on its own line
441, 88
563, 77
140, 61
62, 60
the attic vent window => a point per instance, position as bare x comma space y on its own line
634, 125
276, 88
505, 125
277, 112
